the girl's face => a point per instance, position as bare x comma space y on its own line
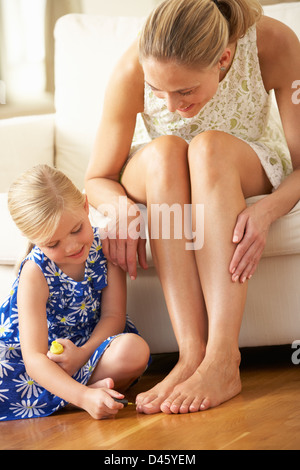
72, 240
185, 89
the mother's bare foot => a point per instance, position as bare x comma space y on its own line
150, 402
214, 382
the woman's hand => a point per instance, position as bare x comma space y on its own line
71, 359
124, 240
250, 235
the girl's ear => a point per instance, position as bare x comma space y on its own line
86, 205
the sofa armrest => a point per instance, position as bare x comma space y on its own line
24, 142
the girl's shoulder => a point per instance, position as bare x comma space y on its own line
32, 277
36, 267
36, 259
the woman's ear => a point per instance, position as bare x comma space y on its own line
224, 61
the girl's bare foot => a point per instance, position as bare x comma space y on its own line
104, 383
214, 382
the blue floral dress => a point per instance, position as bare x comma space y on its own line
73, 311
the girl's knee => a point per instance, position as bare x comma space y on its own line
131, 350
141, 349
138, 345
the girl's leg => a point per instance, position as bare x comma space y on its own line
123, 362
159, 174
224, 171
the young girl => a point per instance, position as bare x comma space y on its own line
64, 291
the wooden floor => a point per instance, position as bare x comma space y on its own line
266, 415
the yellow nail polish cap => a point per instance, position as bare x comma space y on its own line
56, 348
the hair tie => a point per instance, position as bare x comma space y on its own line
217, 3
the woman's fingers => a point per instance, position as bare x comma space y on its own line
246, 257
124, 251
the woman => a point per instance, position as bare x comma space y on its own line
201, 78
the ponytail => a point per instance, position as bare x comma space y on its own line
240, 15
196, 32
18, 263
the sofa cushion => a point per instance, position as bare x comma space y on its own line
25, 142
87, 49
284, 233
12, 242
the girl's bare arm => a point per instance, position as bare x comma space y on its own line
32, 297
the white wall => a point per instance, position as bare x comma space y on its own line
119, 7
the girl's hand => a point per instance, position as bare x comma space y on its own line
99, 402
123, 241
71, 359
250, 235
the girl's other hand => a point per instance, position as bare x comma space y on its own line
71, 359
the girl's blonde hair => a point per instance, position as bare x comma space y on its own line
196, 32
37, 199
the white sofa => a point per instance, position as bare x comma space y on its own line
87, 48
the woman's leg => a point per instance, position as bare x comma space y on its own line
159, 174
224, 171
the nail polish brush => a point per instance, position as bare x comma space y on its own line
124, 401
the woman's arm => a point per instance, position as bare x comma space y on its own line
279, 52
281, 66
124, 99
32, 297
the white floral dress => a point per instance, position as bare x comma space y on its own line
73, 311
240, 107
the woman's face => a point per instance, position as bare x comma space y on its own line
185, 89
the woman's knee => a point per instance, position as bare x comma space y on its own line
156, 167
209, 156
168, 157
169, 143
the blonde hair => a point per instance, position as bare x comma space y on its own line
37, 199
196, 32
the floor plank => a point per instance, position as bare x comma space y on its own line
266, 415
